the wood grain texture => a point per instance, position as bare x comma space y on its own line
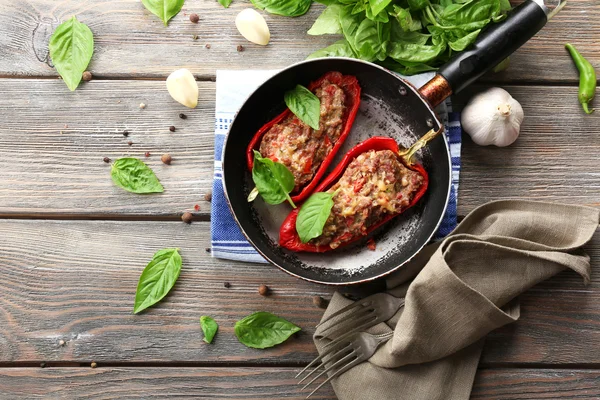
45, 172
132, 42
75, 281
555, 158
264, 383
53, 144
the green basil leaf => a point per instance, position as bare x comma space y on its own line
209, 328
341, 48
157, 279
464, 42
287, 8
313, 215
414, 52
262, 329
359, 7
305, 105
350, 23
273, 180
378, 6
418, 4
225, 3
328, 22
71, 47
404, 17
134, 176
164, 9
371, 40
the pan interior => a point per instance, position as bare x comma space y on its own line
384, 111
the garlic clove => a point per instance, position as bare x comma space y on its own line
253, 26
183, 88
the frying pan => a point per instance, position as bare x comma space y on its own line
390, 106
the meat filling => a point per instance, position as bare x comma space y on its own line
375, 184
301, 148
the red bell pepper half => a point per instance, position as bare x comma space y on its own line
288, 236
349, 84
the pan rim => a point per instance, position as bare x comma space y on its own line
354, 281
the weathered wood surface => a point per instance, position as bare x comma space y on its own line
131, 42
54, 143
264, 383
49, 173
75, 281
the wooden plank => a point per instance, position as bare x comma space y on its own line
554, 159
46, 173
54, 143
131, 42
262, 383
75, 281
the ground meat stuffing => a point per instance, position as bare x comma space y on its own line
301, 148
374, 185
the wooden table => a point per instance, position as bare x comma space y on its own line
72, 245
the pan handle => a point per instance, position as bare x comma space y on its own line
496, 43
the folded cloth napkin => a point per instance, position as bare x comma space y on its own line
464, 287
233, 87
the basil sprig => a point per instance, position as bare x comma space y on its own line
262, 329
71, 47
157, 279
305, 105
209, 327
287, 8
164, 9
313, 215
274, 182
134, 176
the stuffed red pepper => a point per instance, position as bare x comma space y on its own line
372, 185
307, 152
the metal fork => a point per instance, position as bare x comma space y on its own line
361, 315
343, 356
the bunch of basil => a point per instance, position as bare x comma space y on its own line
406, 36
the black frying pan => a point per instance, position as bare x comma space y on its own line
390, 107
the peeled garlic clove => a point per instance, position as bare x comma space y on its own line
183, 88
253, 26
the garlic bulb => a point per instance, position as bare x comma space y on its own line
183, 88
493, 117
253, 26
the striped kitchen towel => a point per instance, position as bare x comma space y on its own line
233, 87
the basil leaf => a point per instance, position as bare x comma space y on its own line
405, 19
71, 47
262, 329
313, 215
273, 180
378, 6
341, 48
305, 105
209, 328
157, 279
134, 176
328, 22
287, 8
164, 9
464, 42
225, 3
412, 52
371, 40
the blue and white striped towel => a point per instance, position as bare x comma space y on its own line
233, 87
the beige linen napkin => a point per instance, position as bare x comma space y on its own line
464, 287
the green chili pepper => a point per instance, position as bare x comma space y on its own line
587, 78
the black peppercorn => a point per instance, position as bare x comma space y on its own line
208, 196
125, 133
87, 76
172, 128
240, 47
182, 116
320, 302
106, 160
227, 285
194, 18
207, 45
130, 143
